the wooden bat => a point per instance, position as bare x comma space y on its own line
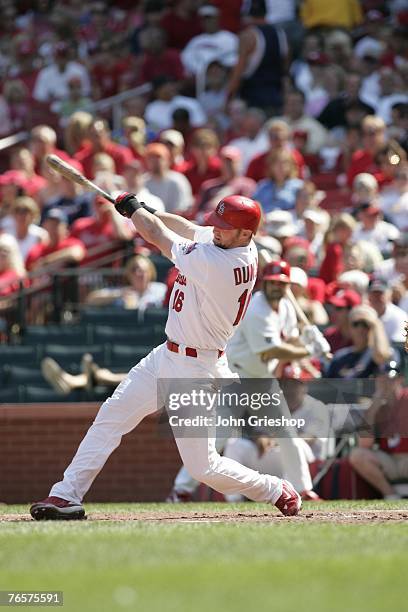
265, 257
72, 174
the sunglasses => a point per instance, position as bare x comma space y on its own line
360, 324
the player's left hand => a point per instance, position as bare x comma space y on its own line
126, 204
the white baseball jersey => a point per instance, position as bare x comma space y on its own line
212, 291
262, 329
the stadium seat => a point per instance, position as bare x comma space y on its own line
70, 356
21, 375
39, 394
127, 356
146, 336
155, 316
11, 395
18, 355
62, 334
111, 316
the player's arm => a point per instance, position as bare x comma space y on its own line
247, 44
178, 224
149, 226
284, 351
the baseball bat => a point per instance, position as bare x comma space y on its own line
265, 257
72, 174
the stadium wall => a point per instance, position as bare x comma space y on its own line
37, 441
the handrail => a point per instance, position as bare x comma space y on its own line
117, 100
114, 102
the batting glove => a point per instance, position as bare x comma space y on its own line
126, 204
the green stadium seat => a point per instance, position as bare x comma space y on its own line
127, 356
70, 356
162, 265
155, 316
10, 395
111, 316
146, 336
61, 334
39, 394
18, 355
21, 375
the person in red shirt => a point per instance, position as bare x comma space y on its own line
204, 163
43, 141
23, 161
99, 233
61, 249
279, 138
363, 160
99, 141
340, 234
158, 60
341, 302
12, 269
388, 414
181, 23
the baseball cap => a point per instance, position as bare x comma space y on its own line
345, 298
376, 284
208, 10
299, 277
294, 371
278, 270
279, 223
363, 313
57, 214
174, 137
316, 216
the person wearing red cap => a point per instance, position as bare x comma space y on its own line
217, 273
341, 302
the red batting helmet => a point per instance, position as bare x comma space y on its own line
277, 271
235, 212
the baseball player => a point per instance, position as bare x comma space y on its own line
268, 336
217, 272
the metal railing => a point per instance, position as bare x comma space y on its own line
54, 294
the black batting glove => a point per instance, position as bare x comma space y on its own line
126, 204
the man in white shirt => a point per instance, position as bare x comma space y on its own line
393, 317
254, 139
213, 44
52, 81
371, 228
171, 187
159, 113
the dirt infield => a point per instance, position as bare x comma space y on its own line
228, 516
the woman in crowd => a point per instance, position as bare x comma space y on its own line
279, 190
25, 230
369, 349
338, 239
142, 290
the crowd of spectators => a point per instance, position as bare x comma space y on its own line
300, 105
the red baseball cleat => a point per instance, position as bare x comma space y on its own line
290, 501
57, 509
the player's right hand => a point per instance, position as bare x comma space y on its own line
126, 204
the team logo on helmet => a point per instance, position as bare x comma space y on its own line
221, 208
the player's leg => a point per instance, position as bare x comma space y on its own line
133, 399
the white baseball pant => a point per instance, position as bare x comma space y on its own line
135, 398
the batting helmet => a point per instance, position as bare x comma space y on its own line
235, 212
277, 271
